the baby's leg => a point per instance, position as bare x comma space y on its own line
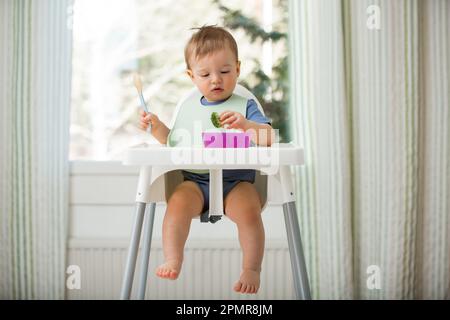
184, 204
243, 206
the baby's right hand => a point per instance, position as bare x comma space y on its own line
147, 118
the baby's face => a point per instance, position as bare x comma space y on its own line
215, 75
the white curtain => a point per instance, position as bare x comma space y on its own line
35, 64
370, 102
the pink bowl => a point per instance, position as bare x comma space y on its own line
226, 139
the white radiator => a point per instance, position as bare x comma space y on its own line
209, 271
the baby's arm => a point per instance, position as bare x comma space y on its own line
159, 129
262, 133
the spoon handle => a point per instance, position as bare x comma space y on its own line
144, 106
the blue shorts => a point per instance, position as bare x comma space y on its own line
202, 181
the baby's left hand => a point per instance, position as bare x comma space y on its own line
233, 120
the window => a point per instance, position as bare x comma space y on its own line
115, 38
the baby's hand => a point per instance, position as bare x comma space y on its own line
146, 119
233, 120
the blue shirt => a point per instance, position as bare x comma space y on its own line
253, 114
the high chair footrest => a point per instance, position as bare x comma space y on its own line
214, 219
204, 217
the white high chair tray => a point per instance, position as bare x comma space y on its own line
281, 154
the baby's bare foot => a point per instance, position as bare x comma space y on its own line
169, 270
248, 282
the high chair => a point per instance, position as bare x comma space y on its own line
160, 173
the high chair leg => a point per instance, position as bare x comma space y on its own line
130, 266
148, 229
298, 264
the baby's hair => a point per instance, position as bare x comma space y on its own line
209, 39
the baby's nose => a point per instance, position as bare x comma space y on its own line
216, 78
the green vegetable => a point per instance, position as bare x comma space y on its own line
215, 119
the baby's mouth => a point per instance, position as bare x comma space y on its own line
217, 90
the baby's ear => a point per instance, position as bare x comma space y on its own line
238, 68
190, 73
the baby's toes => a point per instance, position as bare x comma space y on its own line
238, 286
172, 275
162, 272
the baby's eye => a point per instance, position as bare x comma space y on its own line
204, 75
226, 71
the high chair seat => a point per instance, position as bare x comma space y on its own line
160, 173
173, 178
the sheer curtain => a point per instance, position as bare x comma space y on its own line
370, 102
35, 64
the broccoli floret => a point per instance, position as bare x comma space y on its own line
215, 119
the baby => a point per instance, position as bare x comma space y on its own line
212, 62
